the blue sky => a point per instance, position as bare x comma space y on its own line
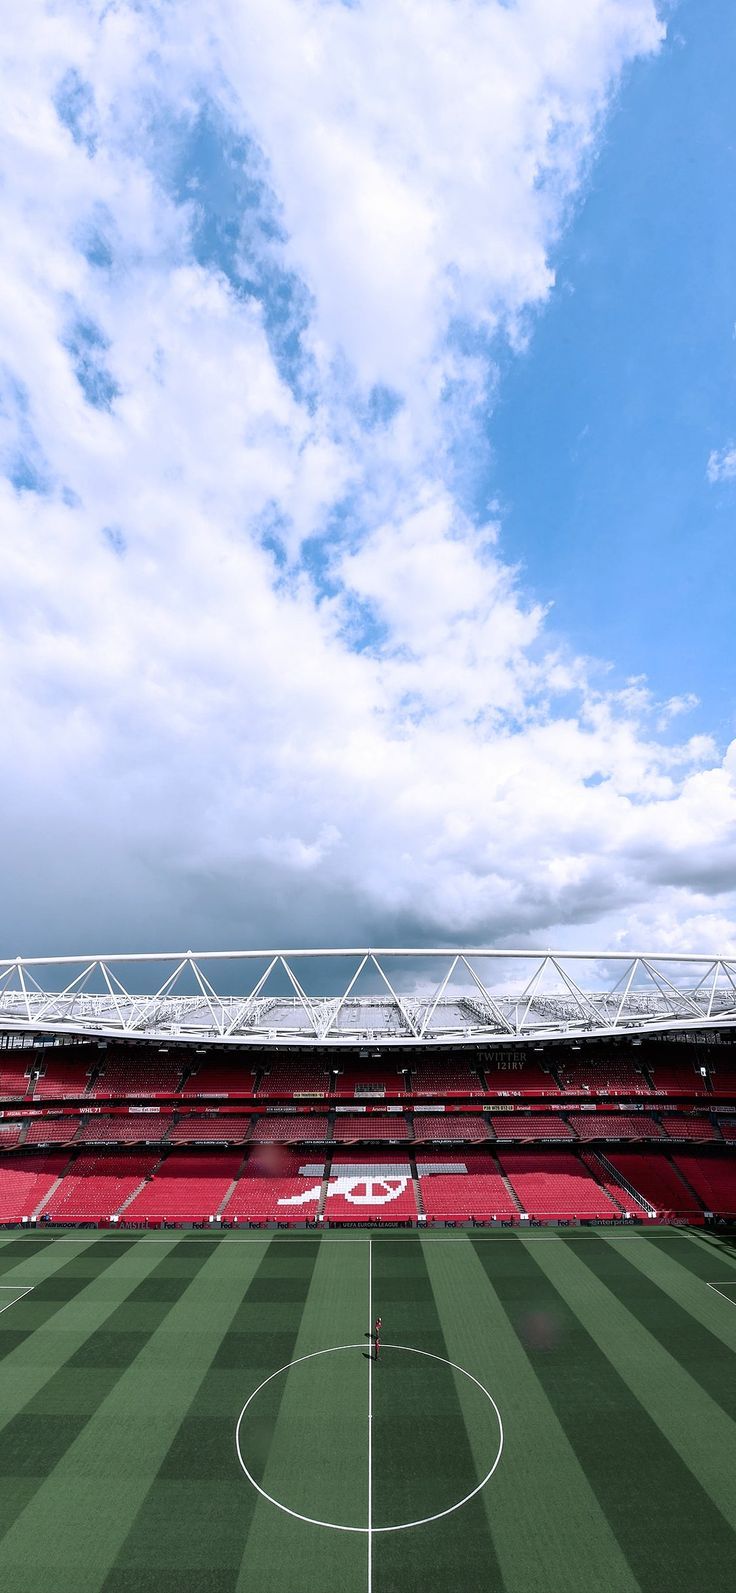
367, 473
629, 383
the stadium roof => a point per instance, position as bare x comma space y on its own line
386, 997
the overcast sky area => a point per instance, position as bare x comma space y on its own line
368, 455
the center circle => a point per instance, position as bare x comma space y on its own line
251, 1416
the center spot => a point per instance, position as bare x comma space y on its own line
302, 1438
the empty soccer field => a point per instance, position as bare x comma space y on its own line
549, 1413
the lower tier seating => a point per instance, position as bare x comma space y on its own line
95, 1186
654, 1176
713, 1177
615, 1125
460, 1197
556, 1184
186, 1188
26, 1180
262, 1200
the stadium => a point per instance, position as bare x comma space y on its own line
217, 1171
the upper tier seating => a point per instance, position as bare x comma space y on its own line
454, 1077
352, 1075
652, 1175
723, 1076
96, 1186
458, 1126
118, 1130
369, 1125
187, 1188
257, 1200
713, 1178
615, 1125
13, 1074
615, 1077
292, 1077
518, 1073
699, 1128
25, 1180
302, 1127
530, 1125
555, 1184
460, 1197
677, 1078
52, 1131
202, 1130
226, 1076
63, 1077
120, 1075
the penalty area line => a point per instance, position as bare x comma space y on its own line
20, 1290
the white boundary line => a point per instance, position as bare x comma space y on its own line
22, 1289
370, 1415
387, 1233
719, 1287
401, 1526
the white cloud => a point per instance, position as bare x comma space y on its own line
721, 464
261, 674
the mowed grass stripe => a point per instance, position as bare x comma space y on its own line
675, 1276
563, 1544
67, 1305
39, 1263
631, 1272
694, 1422
314, 1423
79, 1430
707, 1254
193, 1523
423, 1459
635, 1418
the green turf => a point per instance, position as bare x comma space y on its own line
124, 1370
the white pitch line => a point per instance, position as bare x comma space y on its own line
718, 1288
370, 1416
21, 1290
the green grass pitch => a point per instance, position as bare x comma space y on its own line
125, 1366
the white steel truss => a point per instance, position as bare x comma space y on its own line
413, 997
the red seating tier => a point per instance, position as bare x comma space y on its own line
96, 1186
655, 1178
123, 1076
455, 1126
287, 1078
454, 1077
460, 1197
302, 1127
13, 1076
186, 1188
25, 1180
555, 1184
52, 1131
699, 1128
370, 1125
352, 1199
615, 1125
713, 1178
521, 1074
134, 1130
201, 1130
531, 1125
63, 1077
9, 1135
228, 1077
388, 1079
602, 1078
260, 1200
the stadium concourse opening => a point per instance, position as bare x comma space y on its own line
505, 1093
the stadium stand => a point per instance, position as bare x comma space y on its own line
370, 1125
656, 1179
25, 1182
454, 1077
260, 1200
14, 1077
699, 1128
52, 1130
63, 1078
119, 1076
531, 1125
608, 1077
202, 1130
352, 1080
618, 1125
727, 1126
512, 1075
119, 1130
9, 1135
94, 1186
302, 1127
713, 1177
462, 1197
459, 1126
555, 1184
215, 1077
187, 1187
289, 1077
358, 1203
